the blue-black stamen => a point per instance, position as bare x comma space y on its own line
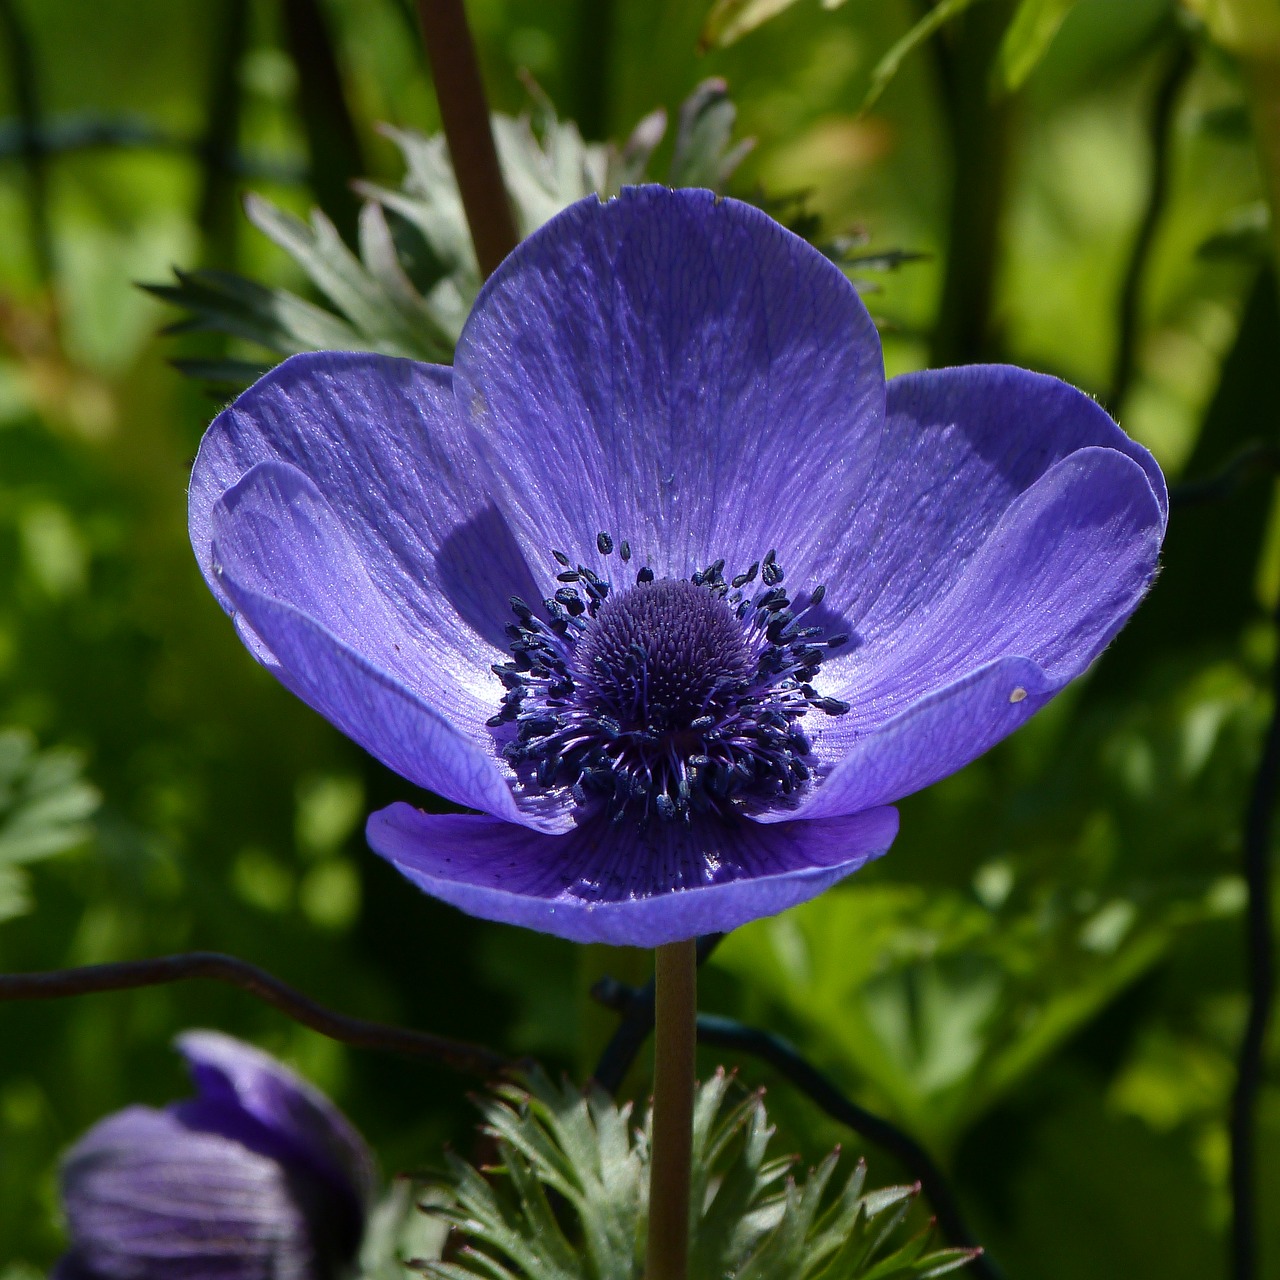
668, 699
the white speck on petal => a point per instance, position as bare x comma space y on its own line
1018, 694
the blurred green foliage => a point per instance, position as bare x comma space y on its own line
1043, 981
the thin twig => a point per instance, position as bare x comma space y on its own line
1260, 959
636, 1005
724, 1033
464, 112
470, 1059
1252, 459
333, 142
70, 134
1163, 109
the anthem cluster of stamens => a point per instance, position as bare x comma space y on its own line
667, 698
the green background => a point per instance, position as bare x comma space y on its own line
1043, 981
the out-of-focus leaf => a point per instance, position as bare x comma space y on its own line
280, 321
1027, 39
1239, 25
225, 373
1246, 236
705, 155
754, 1221
884, 71
630, 164
402, 1228
1229, 122
45, 807
730, 20
951, 998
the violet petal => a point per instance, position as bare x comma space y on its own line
366, 702
960, 446
1053, 583
379, 438
146, 1198
602, 884
226, 1070
675, 369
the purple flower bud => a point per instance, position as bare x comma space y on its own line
258, 1177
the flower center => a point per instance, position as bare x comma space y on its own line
660, 656
667, 698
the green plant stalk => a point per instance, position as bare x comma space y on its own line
464, 113
675, 1037
981, 129
1251, 30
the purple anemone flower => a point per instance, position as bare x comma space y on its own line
662, 577
258, 1177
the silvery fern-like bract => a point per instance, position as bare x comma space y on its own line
567, 1199
408, 286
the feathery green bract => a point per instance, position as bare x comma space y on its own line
568, 1199
407, 287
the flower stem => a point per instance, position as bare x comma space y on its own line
676, 975
464, 112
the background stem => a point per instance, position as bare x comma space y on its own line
464, 112
1163, 112
675, 1037
1259, 53
981, 131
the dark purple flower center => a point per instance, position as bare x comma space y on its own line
668, 697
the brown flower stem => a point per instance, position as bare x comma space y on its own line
464, 112
675, 1037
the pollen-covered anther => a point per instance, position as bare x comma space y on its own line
669, 697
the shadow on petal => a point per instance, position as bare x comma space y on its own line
613, 883
481, 566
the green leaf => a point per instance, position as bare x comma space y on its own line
954, 995
275, 319
1245, 236
753, 1221
885, 70
45, 807
1027, 39
705, 155
730, 20
380, 305
401, 1228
